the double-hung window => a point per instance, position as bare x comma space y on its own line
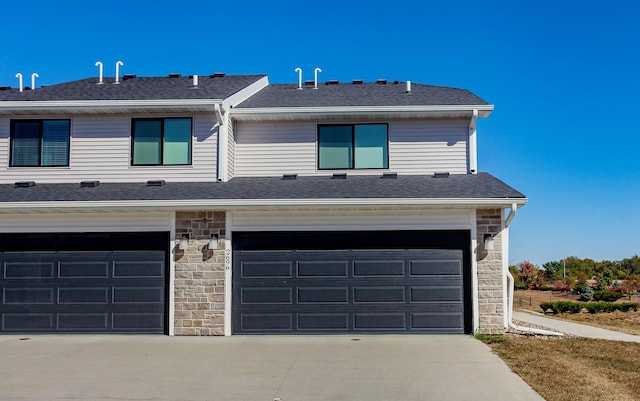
353, 146
161, 141
39, 143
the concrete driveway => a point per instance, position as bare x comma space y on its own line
255, 368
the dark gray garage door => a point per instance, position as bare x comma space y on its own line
349, 290
82, 292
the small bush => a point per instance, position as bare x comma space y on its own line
608, 307
607, 296
585, 291
561, 307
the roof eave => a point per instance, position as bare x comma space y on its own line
259, 204
266, 113
106, 106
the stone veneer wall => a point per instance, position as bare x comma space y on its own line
490, 289
199, 275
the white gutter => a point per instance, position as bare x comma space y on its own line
38, 105
266, 204
482, 110
511, 285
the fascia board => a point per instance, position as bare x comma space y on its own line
245, 93
265, 204
104, 104
483, 110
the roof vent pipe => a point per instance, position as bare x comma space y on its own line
195, 80
19, 76
101, 70
299, 71
408, 86
315, 77
33, 79
118, 64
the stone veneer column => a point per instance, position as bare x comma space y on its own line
490, 290
199, 275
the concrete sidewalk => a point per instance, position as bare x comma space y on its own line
580, 330
255, 368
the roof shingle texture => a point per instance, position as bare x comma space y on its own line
365, 94
458, 186
143, 88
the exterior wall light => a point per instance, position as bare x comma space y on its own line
489, 242
184, 242
213, 242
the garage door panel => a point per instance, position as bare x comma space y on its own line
442, 321
83, 321
378, 268
28, 296
323, 322
266, 295
83, 295
436, 294
266, 322
83, 269
379, 321
320, 269
267, 269
137, 295
318, 295
27, 322
137, 322
138, 269
25, 270
379, 295
436, 267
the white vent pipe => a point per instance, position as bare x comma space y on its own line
118, 64
315, 77
19, 76
299, 71
408, 86
33, 79
101, 70
195, 80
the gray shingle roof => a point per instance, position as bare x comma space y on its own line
457, 186
365, 94
142, 88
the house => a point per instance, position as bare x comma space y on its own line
220, 205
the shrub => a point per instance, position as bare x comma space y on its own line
607, 307
585, 291
561, 307
607, 296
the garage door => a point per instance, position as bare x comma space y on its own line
97, 291
385, 288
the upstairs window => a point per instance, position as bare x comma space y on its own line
355, 146
161, 141
39, 143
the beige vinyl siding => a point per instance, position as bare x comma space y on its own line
415, 147
100, 149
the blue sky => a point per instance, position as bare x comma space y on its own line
563, 76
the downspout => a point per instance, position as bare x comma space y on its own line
221, 156
473, 142
511, 285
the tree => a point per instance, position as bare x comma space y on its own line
632, 284
528, 273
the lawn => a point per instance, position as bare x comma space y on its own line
573, 369
624, 322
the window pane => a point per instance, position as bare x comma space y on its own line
146, 141
371, 146
177, 141
55, 143
25, 143
335, 147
